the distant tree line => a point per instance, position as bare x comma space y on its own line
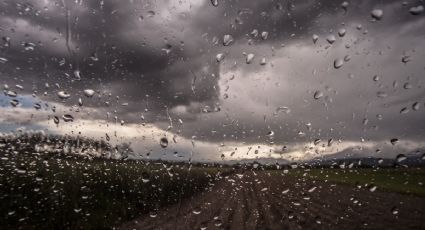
39, 142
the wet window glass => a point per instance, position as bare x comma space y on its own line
212, 114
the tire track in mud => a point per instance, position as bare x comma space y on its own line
254, 200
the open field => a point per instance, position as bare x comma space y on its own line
275, 200
43, 192
402, 180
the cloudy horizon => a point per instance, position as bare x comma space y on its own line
291, 80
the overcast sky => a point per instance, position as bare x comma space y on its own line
163, 69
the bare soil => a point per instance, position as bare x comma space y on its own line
257, 200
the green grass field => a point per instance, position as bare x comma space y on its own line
401, 180
47, 192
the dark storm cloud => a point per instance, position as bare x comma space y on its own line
107, 61
136, 48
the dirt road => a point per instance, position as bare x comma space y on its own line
260, 200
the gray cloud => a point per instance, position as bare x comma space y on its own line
155, 56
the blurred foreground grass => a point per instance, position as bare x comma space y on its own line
51, 192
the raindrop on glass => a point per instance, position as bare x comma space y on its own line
163, 142
88, 92
14, 102
68, 118
249, 58
331, 39
341, 32
401, 157
56, 119
377, 14
63, 95
394, 141
315, 38
318, 94
416, 106
338, 63
219, 57
264, 35
227, 39
417, 10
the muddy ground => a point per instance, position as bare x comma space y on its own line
261, 200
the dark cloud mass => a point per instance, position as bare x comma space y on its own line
158, 59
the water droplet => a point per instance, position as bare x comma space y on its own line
3, 60
14, 102
315, 38
11, 93
375, 78
318, 94
394, 141
347, 58
63, 95
359, 27
417, 10
29, 46
196, 211
373, 188
68, 118
401, 157
394, 210
163, 142
153, 214
217, 222
264, 35
377, 14
150, 13
404, 110
145, 177
416, 106
270, 133
77, 210
405, 59
37, 106
317, 219
56, 119
94, 57
407, 85
312, 189
284, 109
249, 58
331, 39
227, 39
214, 3
381, 94
338, 63
345, 5
219, 57
341, 32
89, 92
77, 74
